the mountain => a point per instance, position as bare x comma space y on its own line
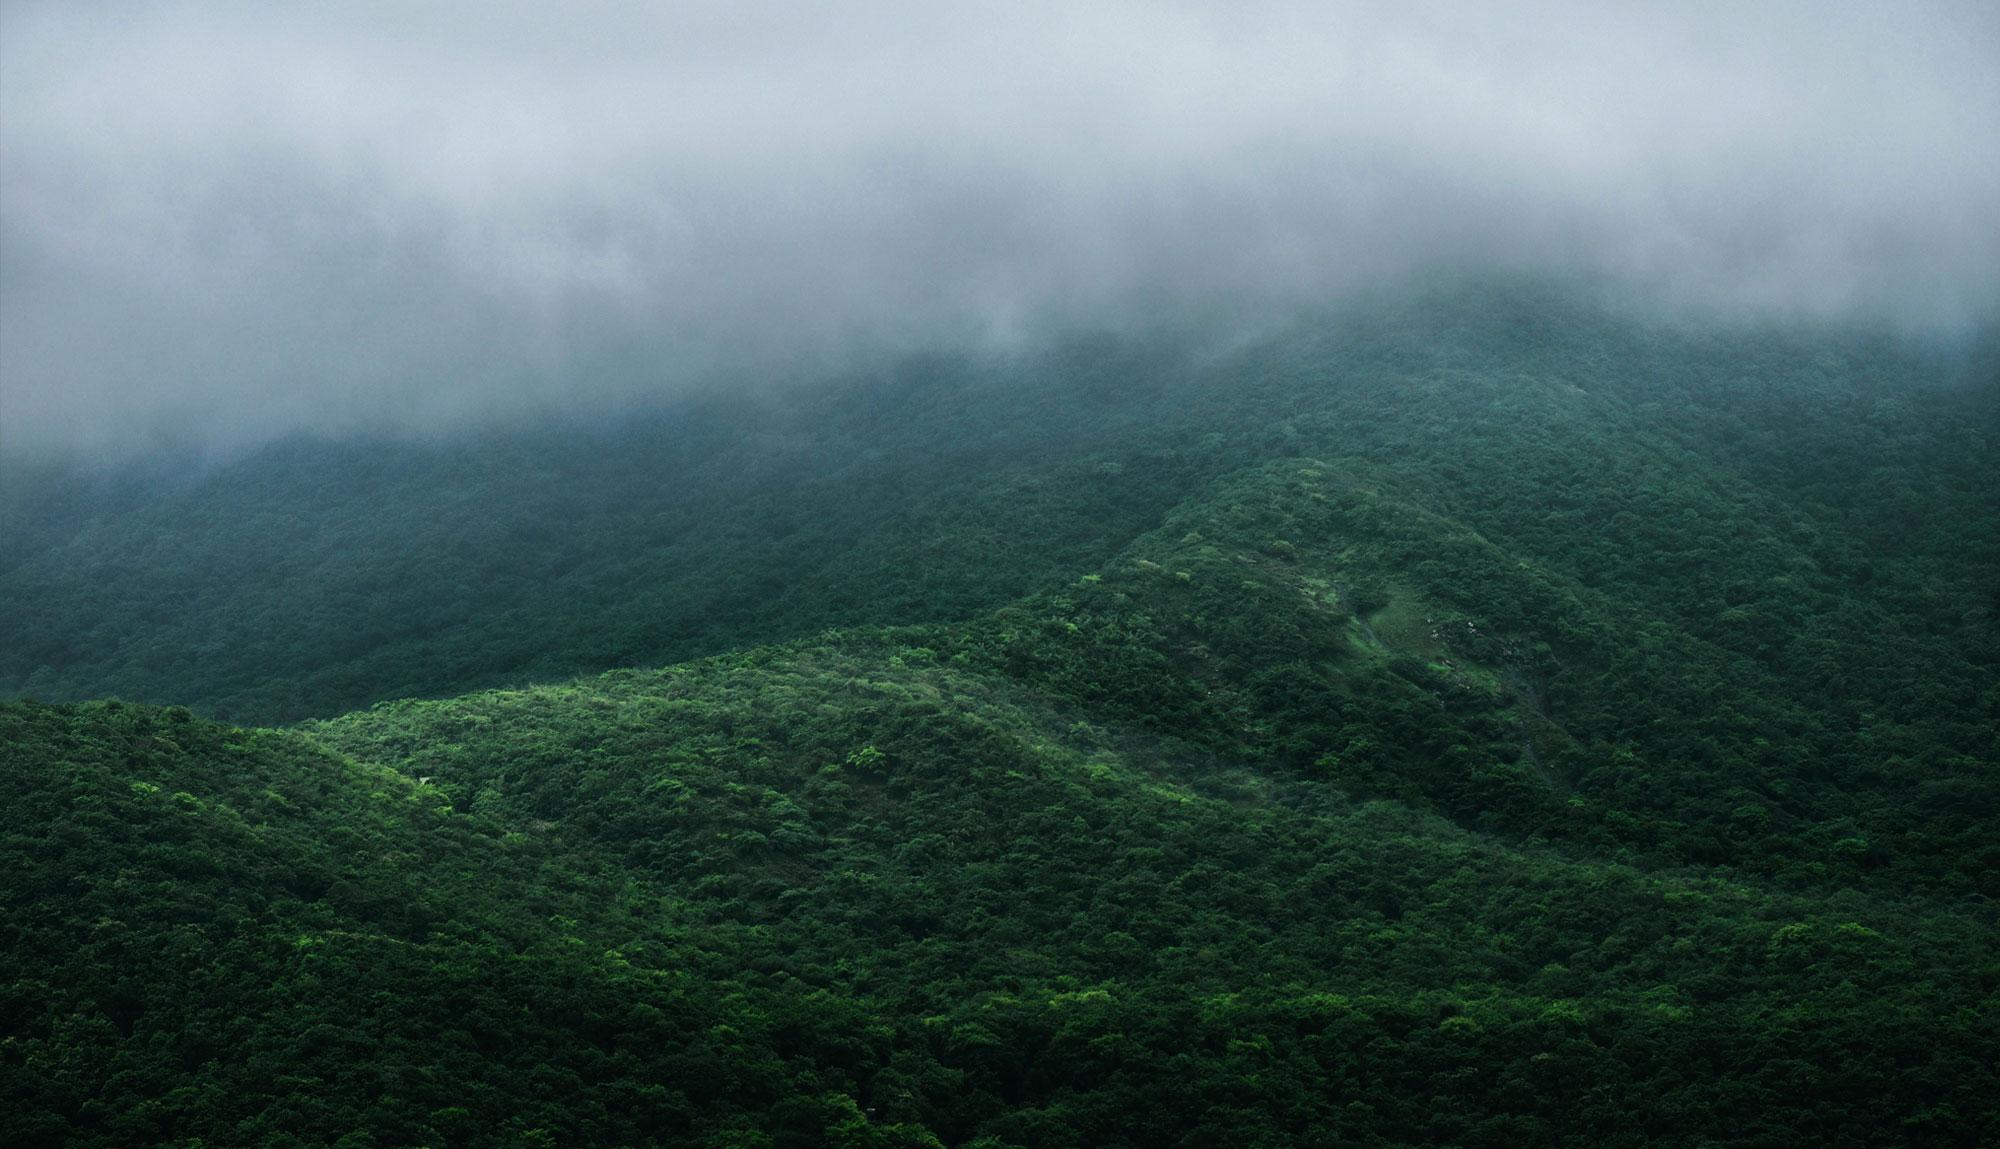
318, 576
1477, 717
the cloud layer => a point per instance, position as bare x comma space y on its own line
231, 221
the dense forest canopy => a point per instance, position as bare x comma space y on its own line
316, 576
1151, 574
1479, 715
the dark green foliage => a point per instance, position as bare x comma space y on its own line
883, 884
1478, 721
315, 577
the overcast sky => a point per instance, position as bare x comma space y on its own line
242, 219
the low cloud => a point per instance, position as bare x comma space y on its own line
234, 221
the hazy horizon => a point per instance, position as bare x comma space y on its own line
226, 223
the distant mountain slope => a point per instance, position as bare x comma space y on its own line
1637, 455
317, 577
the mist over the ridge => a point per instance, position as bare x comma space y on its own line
230, 221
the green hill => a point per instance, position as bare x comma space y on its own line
847, 893
1634, 455
1476, 719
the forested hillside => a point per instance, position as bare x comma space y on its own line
1477, 718
1636, 456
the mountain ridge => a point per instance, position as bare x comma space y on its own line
1420, 754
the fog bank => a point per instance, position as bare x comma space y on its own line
231, 221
